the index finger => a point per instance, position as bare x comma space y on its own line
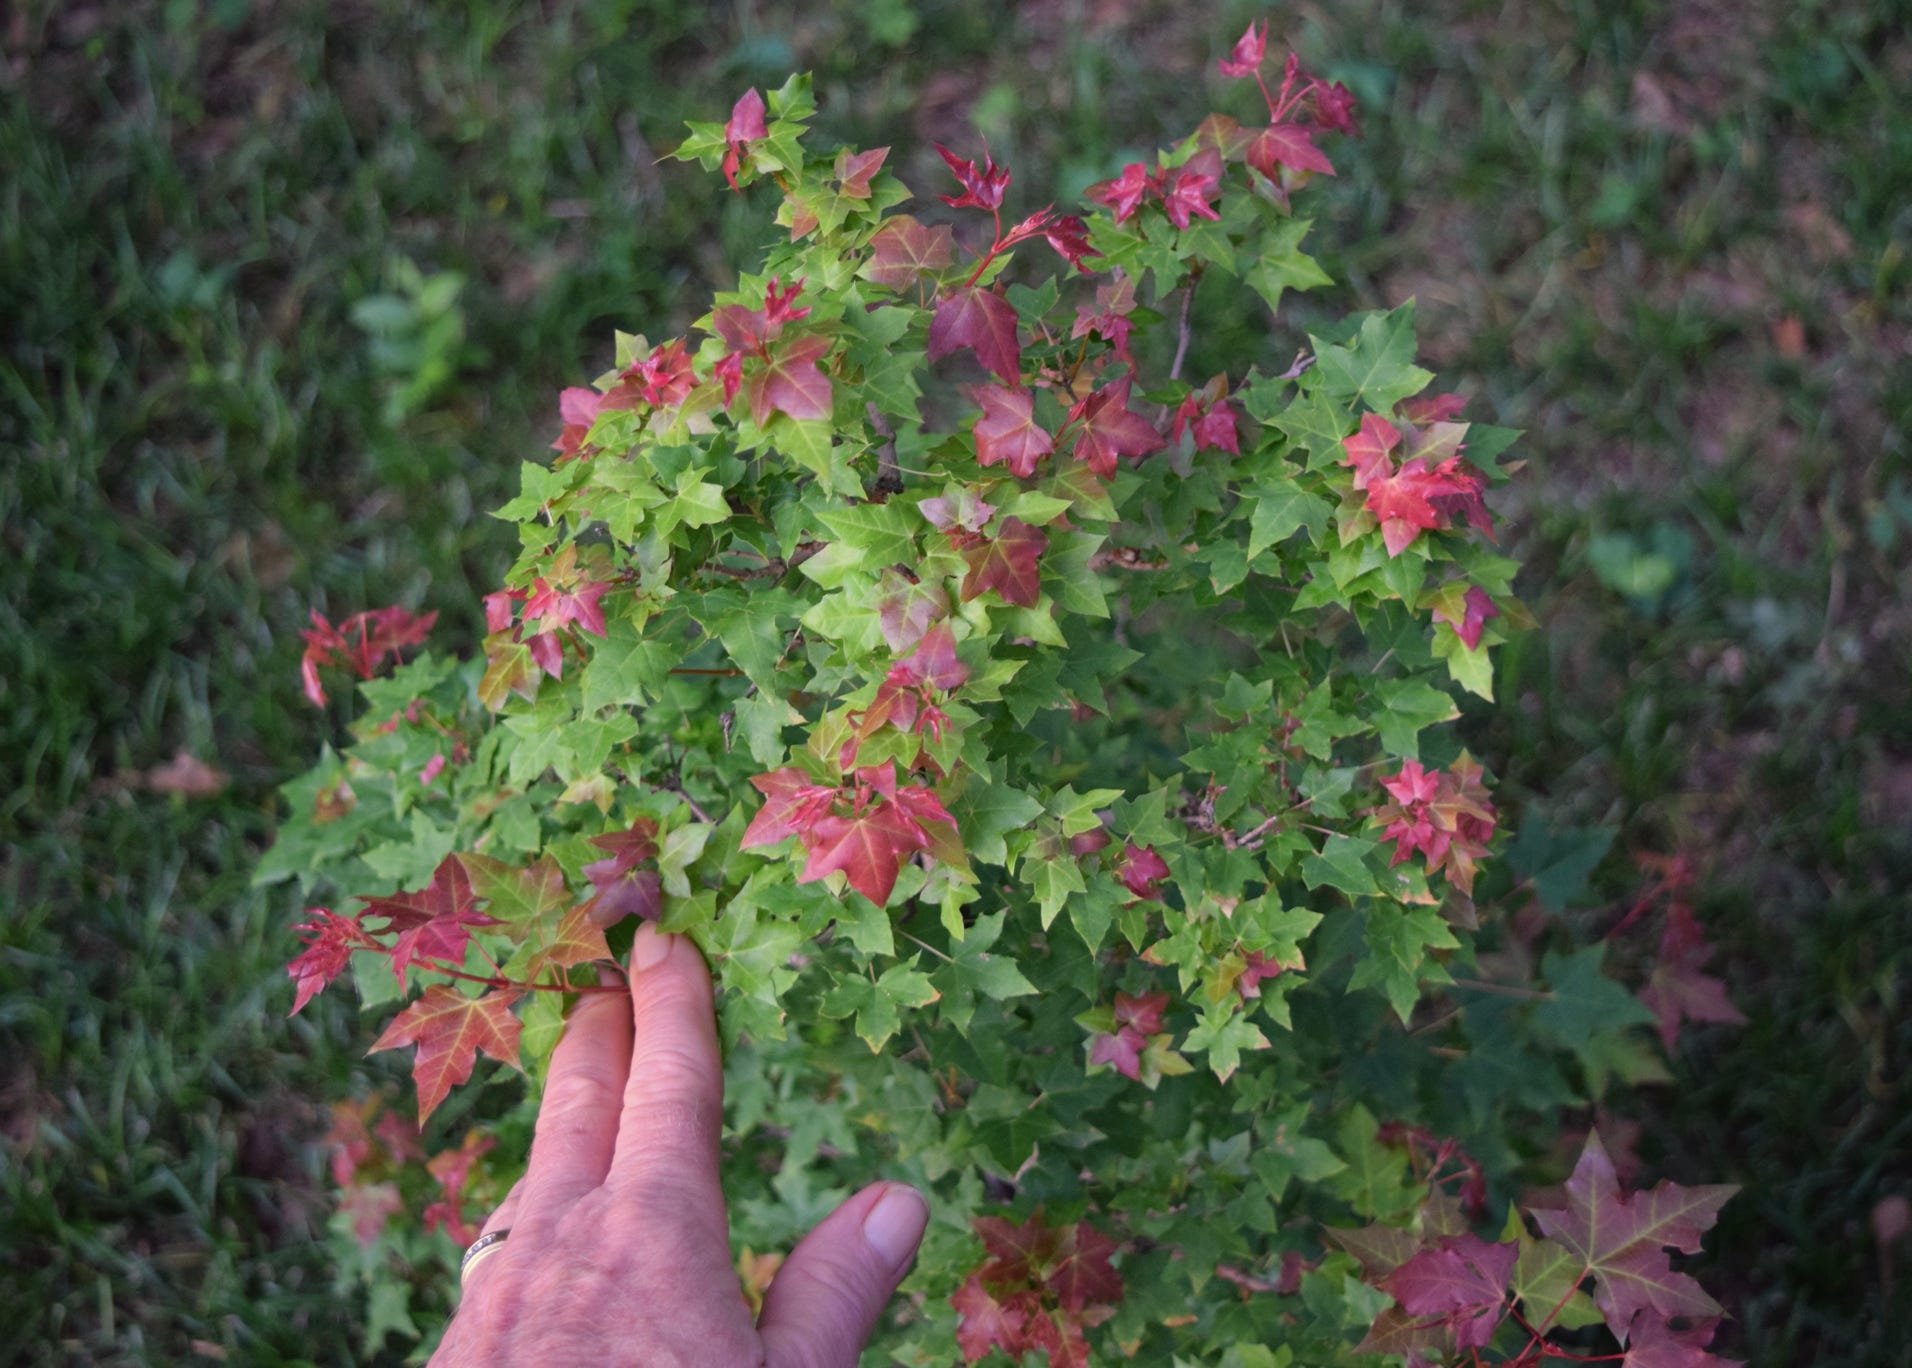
577, 1121
672, 1119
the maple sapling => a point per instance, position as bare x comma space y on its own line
1051, 756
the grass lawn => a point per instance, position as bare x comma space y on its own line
287, 291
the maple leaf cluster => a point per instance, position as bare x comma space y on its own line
1138, 1047
660, 379
1428, 490
1040, 1287
374, 1162
1207, 417
360, 643
1105, 429
622, 886
430, 930
744, 127
1185, 192
1304, 107
1453, 1290
1679, 989
784, 376
909, 696
561, 603
1444, 814
864, 828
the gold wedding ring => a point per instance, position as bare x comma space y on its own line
480, 1247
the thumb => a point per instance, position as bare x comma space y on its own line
824, 1301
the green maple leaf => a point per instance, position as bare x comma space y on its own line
1378, 368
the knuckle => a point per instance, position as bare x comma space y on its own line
673, 1123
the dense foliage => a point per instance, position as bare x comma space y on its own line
1048, 753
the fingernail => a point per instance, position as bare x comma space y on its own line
650, 947
895, 1224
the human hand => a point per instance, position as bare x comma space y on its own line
619, 1251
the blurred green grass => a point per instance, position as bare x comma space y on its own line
287, 292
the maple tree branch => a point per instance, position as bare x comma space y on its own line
932, 949
1181, 328
1123, 558
440, 967
1505, 990
888, 478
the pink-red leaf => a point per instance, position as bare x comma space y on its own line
1249, 50
1008, 563
1623, 1239
1109, 429
869, 848
1007, 433
449, 1030
1680, 990
905, 251
1286, 144
981, 189
791, 383
981, 320
330, 940
1462, 1281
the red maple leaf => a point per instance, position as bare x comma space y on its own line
1008, 433
1069, 235
904, 251
433, 923
866, 829
1286, 144
854, 169
1081, 1274
981, 189
981, 320
1211, 421
1126, 192
1039, 1288
1123, 1050
1008, 563
623, 888
1110, 318
1679, 990
562, 601
986, 1323
1109, 429
1249, 50
360, 643
1334, 108
1462, 1281
1367, 450
1623, 1238
1143, 1011
1188, 188
1140, 869
449, 1030
869, 847
330, 940
793, 803
791, 383
744, 127
1476, 608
